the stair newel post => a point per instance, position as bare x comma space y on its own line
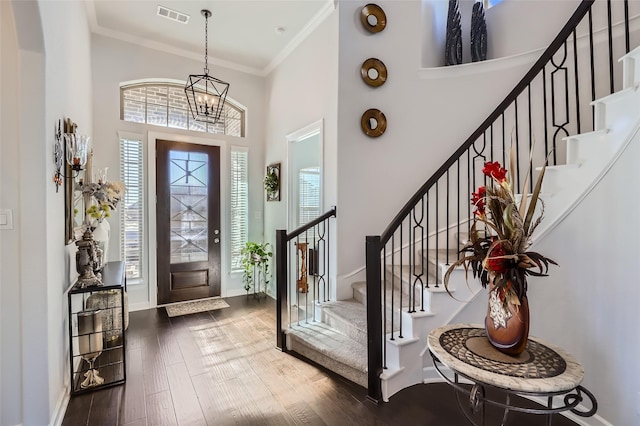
281, 286
374, 318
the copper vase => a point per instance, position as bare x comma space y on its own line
507, 326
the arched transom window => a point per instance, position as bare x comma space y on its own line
165, 104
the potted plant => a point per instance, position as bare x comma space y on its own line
255, 259
497, 253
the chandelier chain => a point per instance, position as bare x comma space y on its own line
206, 47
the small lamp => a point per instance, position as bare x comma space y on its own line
76, 147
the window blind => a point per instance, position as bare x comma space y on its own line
132, 214
239, 204
309, 195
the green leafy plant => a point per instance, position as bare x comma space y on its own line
255, 257
271, 182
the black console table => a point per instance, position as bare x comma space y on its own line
540, 371
97, 323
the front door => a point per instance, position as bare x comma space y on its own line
188, 221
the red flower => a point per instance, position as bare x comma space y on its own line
495, 170
495, 262
478, 201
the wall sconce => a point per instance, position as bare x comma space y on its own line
76, 147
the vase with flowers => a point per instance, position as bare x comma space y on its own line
497, 254
100, 199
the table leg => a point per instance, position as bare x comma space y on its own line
550, 405
506, 410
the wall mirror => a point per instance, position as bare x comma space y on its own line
373, 72
373, 18
373, 123
73, 200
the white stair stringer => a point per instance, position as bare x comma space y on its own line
404, 357
589, 157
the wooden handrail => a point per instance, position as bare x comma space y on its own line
306, 227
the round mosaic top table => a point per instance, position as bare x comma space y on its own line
541, 370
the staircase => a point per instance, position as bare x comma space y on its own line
338, 339
382, 346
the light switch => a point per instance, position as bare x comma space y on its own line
6, 219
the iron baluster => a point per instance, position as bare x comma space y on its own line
610, 35
626, 26
576, 80
400, 291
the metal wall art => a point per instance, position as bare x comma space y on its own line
373, 123
373, 72
373, 18
453, 48
478, 33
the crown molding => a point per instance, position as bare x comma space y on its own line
319, 17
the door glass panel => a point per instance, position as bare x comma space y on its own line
188, 181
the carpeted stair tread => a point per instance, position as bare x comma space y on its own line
350, 310
331, 344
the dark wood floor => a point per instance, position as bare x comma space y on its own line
221, 368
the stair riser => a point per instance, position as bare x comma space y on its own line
360, 295
631, 69
345, 327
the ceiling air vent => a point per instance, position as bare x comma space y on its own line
172, 14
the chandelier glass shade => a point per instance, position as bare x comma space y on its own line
77, 150
206, 95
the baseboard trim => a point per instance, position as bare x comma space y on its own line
141, 306
430, 375
236, 292
61, 406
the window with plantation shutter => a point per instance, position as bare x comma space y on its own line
239, 204
309, 195
132, 214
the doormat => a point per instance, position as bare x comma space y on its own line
195, 306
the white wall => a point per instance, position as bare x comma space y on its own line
593, 294
114, 62
301, 91
68, 93
10, 336
34, 272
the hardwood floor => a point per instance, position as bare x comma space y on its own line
221, 368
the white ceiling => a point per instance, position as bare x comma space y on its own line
243, 34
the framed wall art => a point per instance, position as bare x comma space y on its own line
272, 182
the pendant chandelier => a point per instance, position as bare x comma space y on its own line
206, 94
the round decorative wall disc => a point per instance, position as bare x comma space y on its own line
373, 18
373, 122
373, 72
